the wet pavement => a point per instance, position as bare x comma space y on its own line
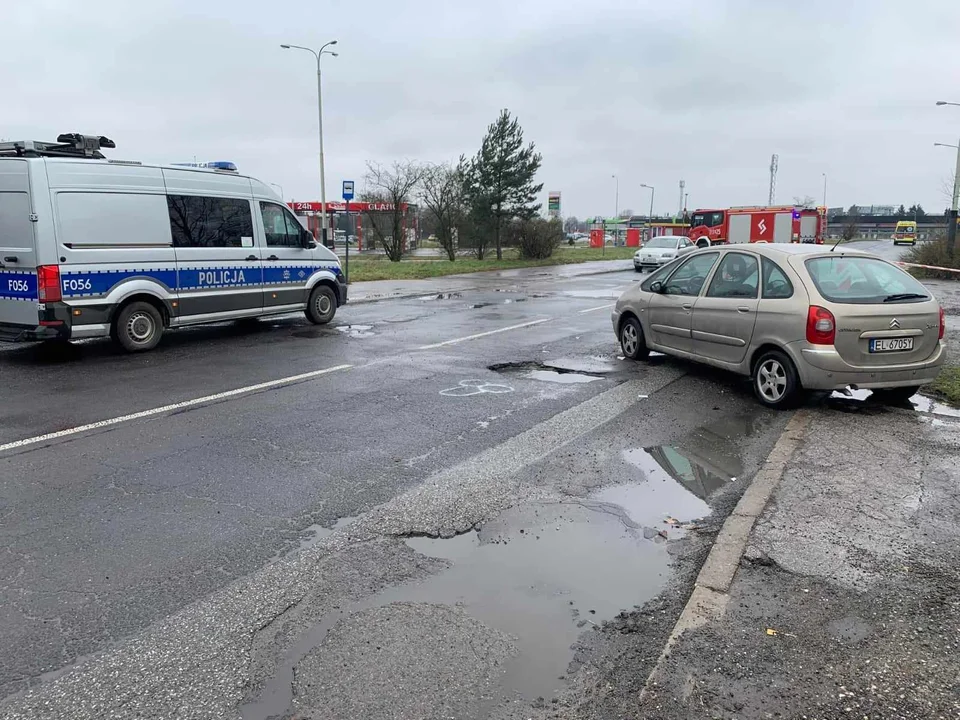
479, 490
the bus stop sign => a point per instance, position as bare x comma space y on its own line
348, 190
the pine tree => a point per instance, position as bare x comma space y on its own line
500, 179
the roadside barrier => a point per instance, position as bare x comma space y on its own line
929, 267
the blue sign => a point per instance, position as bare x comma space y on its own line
348, 190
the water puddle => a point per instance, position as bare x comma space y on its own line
441, 296
544, 574
564, 378
850, 399
356, 330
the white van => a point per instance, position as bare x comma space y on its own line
91, 247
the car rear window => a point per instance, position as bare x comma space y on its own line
863, 280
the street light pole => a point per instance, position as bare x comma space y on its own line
823, 231
952, 223
318, 54
652, 191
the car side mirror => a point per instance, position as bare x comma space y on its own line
657, 287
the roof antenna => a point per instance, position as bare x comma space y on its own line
839, 240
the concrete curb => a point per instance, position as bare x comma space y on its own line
407, 296
708, 601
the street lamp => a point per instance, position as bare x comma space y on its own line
323, 186
652, 191
616, 205
952, 224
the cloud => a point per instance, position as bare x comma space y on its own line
652, 92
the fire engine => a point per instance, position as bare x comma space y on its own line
780, 224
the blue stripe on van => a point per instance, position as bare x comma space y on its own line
100, 282
92, 283
18, 285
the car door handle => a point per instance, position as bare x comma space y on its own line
743, 309
251, 257
687, 307
273, 257
10, 258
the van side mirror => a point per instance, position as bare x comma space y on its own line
306, 241
657, 287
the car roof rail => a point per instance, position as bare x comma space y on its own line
74, 145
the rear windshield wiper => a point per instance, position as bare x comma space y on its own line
904, 296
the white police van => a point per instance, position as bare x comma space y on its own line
91, 247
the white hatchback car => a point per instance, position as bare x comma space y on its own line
660, 250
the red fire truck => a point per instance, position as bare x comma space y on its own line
782, 223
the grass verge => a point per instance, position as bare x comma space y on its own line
947, 386
933, 252
380, 268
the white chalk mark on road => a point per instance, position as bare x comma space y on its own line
172, 407
483, 334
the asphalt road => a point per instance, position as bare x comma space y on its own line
243, 523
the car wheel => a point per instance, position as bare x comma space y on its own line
632, 342
703, 242
137, 327
638, 269
322, 305
775, 380
896, 395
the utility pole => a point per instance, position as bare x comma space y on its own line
774, 161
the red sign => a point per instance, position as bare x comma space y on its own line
761, 227
341, 206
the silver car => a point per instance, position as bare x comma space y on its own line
791, 317
660, 250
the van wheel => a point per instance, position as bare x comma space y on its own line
137, 327
632, 342
322, 305
775, 380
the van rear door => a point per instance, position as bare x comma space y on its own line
18, 252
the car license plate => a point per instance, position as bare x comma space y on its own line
878, 345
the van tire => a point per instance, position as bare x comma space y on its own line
322, 305
137, 327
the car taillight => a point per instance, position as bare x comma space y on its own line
821, 326
943, 323
48, 283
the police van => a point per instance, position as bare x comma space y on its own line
91, 247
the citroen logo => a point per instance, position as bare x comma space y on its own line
894, 324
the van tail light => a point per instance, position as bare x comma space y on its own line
48, 283
821, 326
943, 323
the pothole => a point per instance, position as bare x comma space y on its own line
862, 399
356, 330
442, 296
536, 370
542, 573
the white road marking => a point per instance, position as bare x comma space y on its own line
483, 334
170, 408
594, 309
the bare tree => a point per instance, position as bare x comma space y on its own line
626, 214
804, 200
851, 228
389, 190
441, 191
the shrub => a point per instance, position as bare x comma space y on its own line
536, 239
933, 252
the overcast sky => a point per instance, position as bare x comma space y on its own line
654, 92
